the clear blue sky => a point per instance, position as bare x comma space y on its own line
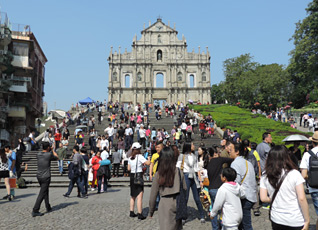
76, 35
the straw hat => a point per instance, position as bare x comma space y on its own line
314, 137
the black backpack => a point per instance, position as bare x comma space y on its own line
21, 183
73, 171
313, 170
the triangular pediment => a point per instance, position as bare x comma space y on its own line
158, 26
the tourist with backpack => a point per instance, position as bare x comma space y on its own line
75, 173
309, 171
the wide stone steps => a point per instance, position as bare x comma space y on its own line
62, 181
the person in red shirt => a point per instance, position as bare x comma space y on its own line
95, 166
57, 138
202, 129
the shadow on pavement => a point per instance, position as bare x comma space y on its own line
62, 205
25, 195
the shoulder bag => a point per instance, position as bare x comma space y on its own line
182, 210
245, 172
275, 193
138, 178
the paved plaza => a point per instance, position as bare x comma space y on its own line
100, 211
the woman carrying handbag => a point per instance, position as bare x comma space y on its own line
284, 184
135, 163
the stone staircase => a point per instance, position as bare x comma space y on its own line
62, 181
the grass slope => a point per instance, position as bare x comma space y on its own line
249, 126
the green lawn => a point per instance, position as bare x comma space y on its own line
249, 126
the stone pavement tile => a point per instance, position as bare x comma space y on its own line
100, 211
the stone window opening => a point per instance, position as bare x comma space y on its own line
179, 76
127, 81
203, 76
191, 81
114, 76
159, 55
139, 76
160, 80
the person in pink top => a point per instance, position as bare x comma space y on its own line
189, 132
139, 119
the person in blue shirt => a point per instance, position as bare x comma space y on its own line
12, 157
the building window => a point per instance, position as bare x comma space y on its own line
127, 81
160, 80
114, 76
20, 49
192, 83
159, 55
139, 76
203, 76
179, 76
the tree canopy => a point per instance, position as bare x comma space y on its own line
247, 82
303, 66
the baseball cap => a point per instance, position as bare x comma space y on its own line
136, 145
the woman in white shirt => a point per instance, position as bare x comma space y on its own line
135, 163
290, 208
188, 162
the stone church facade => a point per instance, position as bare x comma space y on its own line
134, 76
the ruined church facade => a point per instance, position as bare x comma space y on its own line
159, 68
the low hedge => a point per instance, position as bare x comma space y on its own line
249, 126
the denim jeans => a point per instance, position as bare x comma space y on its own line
214, 222
247, 219
314, 197
85, 181
195, 192
99, 182
60, 164
79, 183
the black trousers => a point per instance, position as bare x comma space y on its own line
116, 168
43, 194
284, 227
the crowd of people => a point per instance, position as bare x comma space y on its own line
223, 179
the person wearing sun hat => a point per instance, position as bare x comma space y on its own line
135, 163
304, 166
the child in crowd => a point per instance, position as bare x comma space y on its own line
228, 199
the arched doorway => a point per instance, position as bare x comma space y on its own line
159, 80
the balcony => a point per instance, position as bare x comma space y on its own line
17, 111
20, 87
20, 61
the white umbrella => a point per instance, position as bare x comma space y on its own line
295, 137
